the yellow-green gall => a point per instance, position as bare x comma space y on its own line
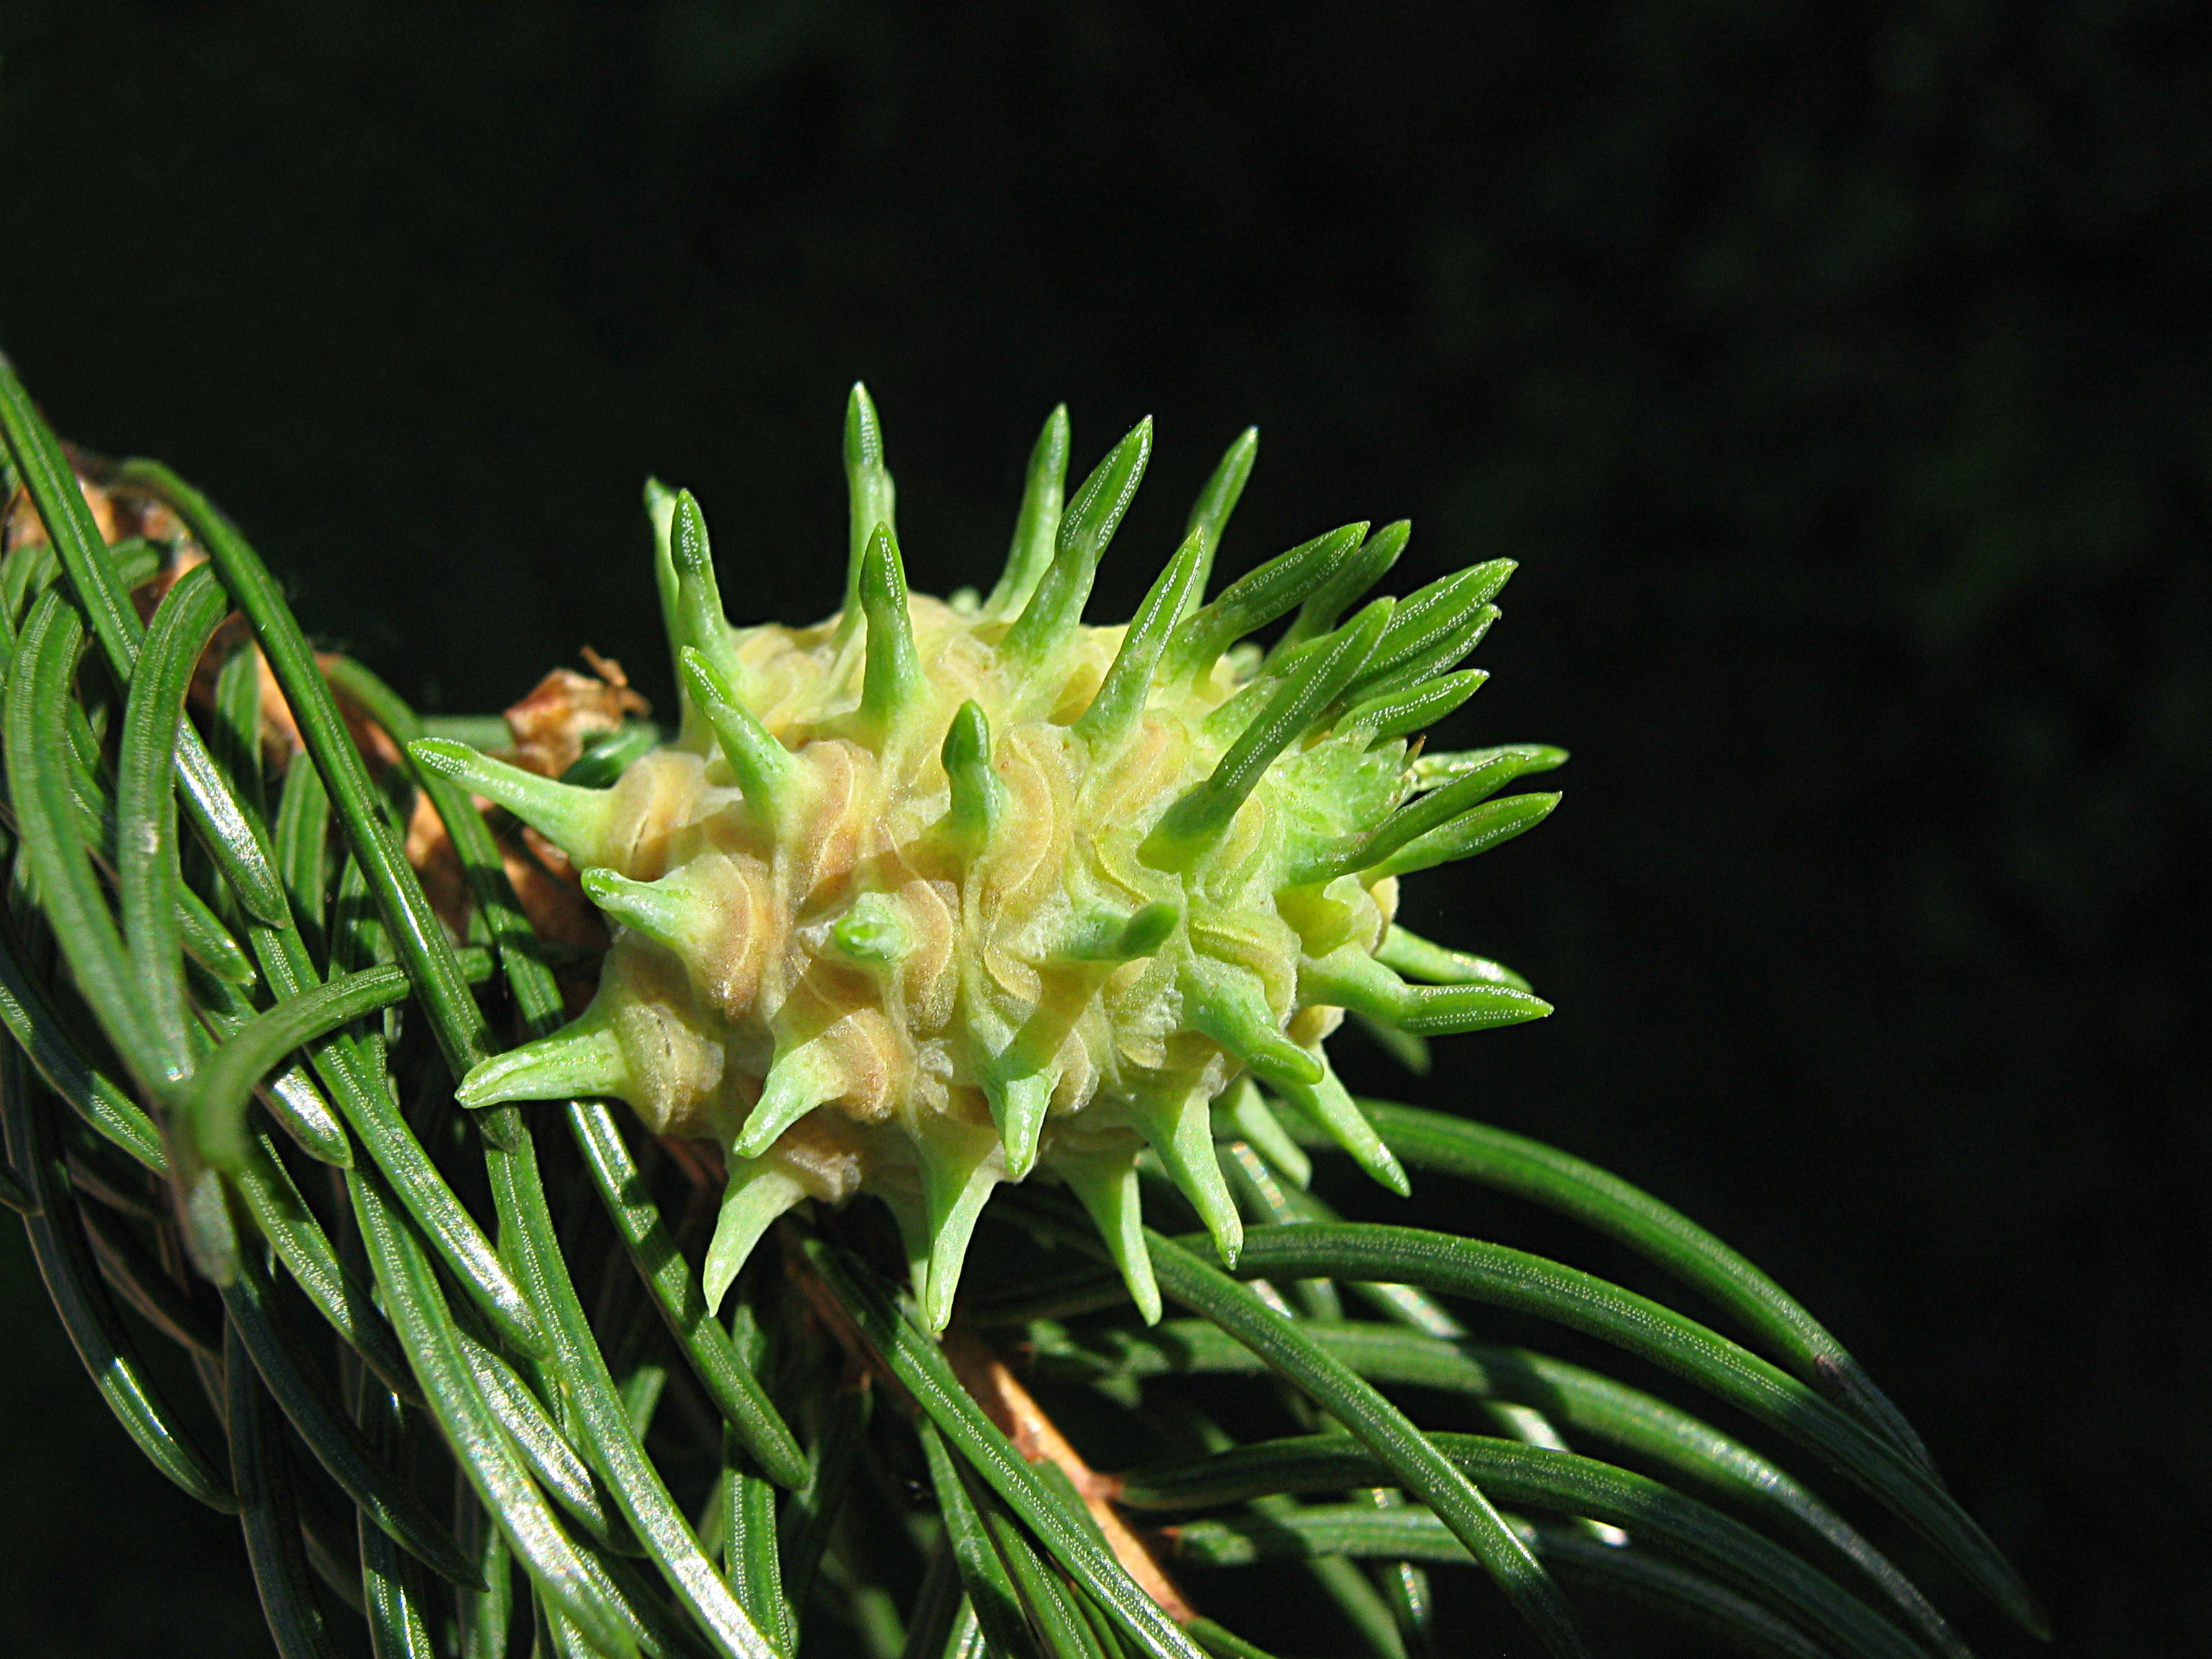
929, 897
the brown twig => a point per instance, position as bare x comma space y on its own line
1015, 1412
1038, 1437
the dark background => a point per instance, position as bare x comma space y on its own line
1838, 374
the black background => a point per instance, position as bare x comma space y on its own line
1838, 373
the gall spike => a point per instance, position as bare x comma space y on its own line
1445, 812
583, 1058
1358, 573
766, 772
581, 823
1410, 955
1018, 1104
1245, 1116
1439, 766
1434, 629
869, 488
1471, 833
1333, 1113
1400, 714
928, 898
661, 514
1349, 978
959, 1167
663, 911
1036, 525
759, 1191
1230, 1005
1120, 700
1108, 1187
1055, 610
796, 1084
873, 932
1142, 935
977, 796
1308, 685
704, 629
1180, 1131
1209, 513
1256, 598
892, 683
